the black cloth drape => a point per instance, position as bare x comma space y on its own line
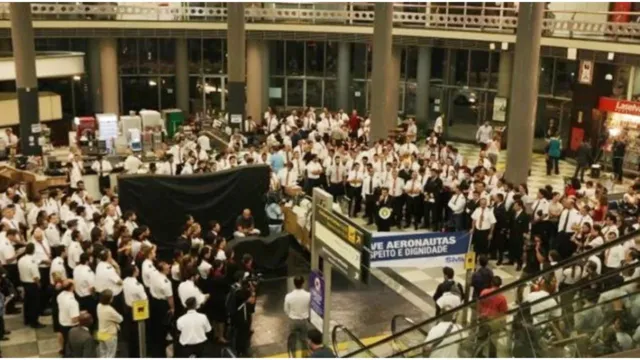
162, 202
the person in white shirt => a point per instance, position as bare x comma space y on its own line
68, 310
438, 126
540, 207
103, 168
288, 176
543, 310
370, 185
567, 225
107, 278
76, 170
484, 135
187, 289
204, 142
457, 204
413, 189
161, 292
193, 328
444, 339
37, 206
354, 189
30, 278
85, 279
483, 224
58, 271
52, 233
314, 170
296, 306
132, 163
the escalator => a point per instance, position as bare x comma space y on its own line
345, 342
599, 315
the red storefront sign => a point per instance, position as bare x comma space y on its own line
619, 106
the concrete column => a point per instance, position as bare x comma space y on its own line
24, 58
423, 87
95, 75
524, 92
344, 77
266, 78
182, 75
382, 120
236, 56
394, 83
256, 53
109, 78
505, 73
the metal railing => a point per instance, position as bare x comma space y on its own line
470, 17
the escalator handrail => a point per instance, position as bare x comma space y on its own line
334, 335
547, 310
410, 321
514, 285
514, 310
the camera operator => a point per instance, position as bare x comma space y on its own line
241, 305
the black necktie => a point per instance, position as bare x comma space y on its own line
371, 185
536, 207
566, 221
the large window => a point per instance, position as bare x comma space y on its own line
314, 93
277, 57
479, 74
212, 56
139, 92
167, 92
166, 56
331, 65
148, 56
295, 58
315, 58
547, 66
276, 91
330, 94
194, 48
359, 61
128, 56
565, 77
295, 92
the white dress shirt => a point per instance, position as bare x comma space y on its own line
107, 278
28, 269
147, 270
160, 286
540, 205
84, 279
68, 308
7, 251
57, 266
53, 235
133, 291
395, 186
296, 304
287, 177
193, 328
73, 254
188, 289
457, 203
487, 217
568, 218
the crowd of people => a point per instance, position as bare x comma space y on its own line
88, 263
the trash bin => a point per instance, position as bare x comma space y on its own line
595, 171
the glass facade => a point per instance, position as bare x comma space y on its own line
463, 83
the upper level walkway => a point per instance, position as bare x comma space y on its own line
580, 25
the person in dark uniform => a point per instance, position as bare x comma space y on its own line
518, 228
384, 211
220, 287
370, 186
432, 190
618, 151
497, 246
242, 299
318, 349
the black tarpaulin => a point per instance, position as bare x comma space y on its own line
162, 202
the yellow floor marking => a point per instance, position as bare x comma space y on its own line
341, 346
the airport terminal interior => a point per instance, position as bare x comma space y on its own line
319, 179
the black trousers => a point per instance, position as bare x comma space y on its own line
369, 207
431, 215
196, 350
414, 210
498, 243
355, 200
158, 329
580, 169
397, 203
241, 337
31, 310
129, 334
89, 304
104, 182
14, 278
481, 241
45, 289
552, 164
563, 244
617, 167
337, 190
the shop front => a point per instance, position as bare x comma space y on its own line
621, 120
